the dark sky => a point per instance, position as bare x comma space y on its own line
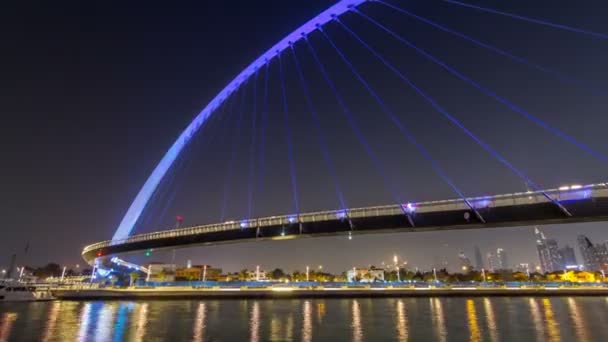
93, 93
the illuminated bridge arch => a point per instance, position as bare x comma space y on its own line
141, 200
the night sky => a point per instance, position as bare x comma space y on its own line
93, 94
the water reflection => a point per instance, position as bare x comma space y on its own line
402, 330
8, 319
438, 319
105, 322
475, 334
85, 318
320, 312
307, 322
536, 319
199, 323
122, 319
142, 322
552, 327
491, 319
579, 322
49, 330
291, 320
254, 323
356, 322
289, 329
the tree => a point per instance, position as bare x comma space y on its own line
277, 274
133, 276
50, 270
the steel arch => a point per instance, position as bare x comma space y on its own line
141, 200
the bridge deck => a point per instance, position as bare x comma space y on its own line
586, 203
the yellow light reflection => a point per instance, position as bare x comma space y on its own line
438, 319
275, 329
307, 322
142, 322
49, 329
289, 329
356, 322
199, 323
8, 319
577, 318
475, 334
254, 323
320, 312
402, 329
536, 318
67, 324
552, 328
491, 319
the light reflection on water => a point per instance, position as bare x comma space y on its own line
254, 323
307, 322
6, 325
401, 315
438, 319
552, 326
578, 320
401, 319
491, 320
537, 319
199, 323
475, 334
356, 321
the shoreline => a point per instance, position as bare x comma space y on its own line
189, 293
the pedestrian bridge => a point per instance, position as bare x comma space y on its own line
564, 205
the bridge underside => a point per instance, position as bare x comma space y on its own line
587, 210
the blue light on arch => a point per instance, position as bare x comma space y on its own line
142, 198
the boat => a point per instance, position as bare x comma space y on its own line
12, 291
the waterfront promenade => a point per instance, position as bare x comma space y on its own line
186, 292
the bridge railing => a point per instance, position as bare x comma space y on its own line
574, 192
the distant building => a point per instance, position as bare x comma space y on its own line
523, 267
591, 261
161, 272
501, 257
601, 252
198, 272
365, 275
492, 262
478, 259
465, 263
568, 257
548, 252
256, 275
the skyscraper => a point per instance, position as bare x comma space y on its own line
601, 255
465, 263
587, 250
478, 258
492, 262
501, 257
548, 252
567, 256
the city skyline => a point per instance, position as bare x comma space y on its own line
405, 245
